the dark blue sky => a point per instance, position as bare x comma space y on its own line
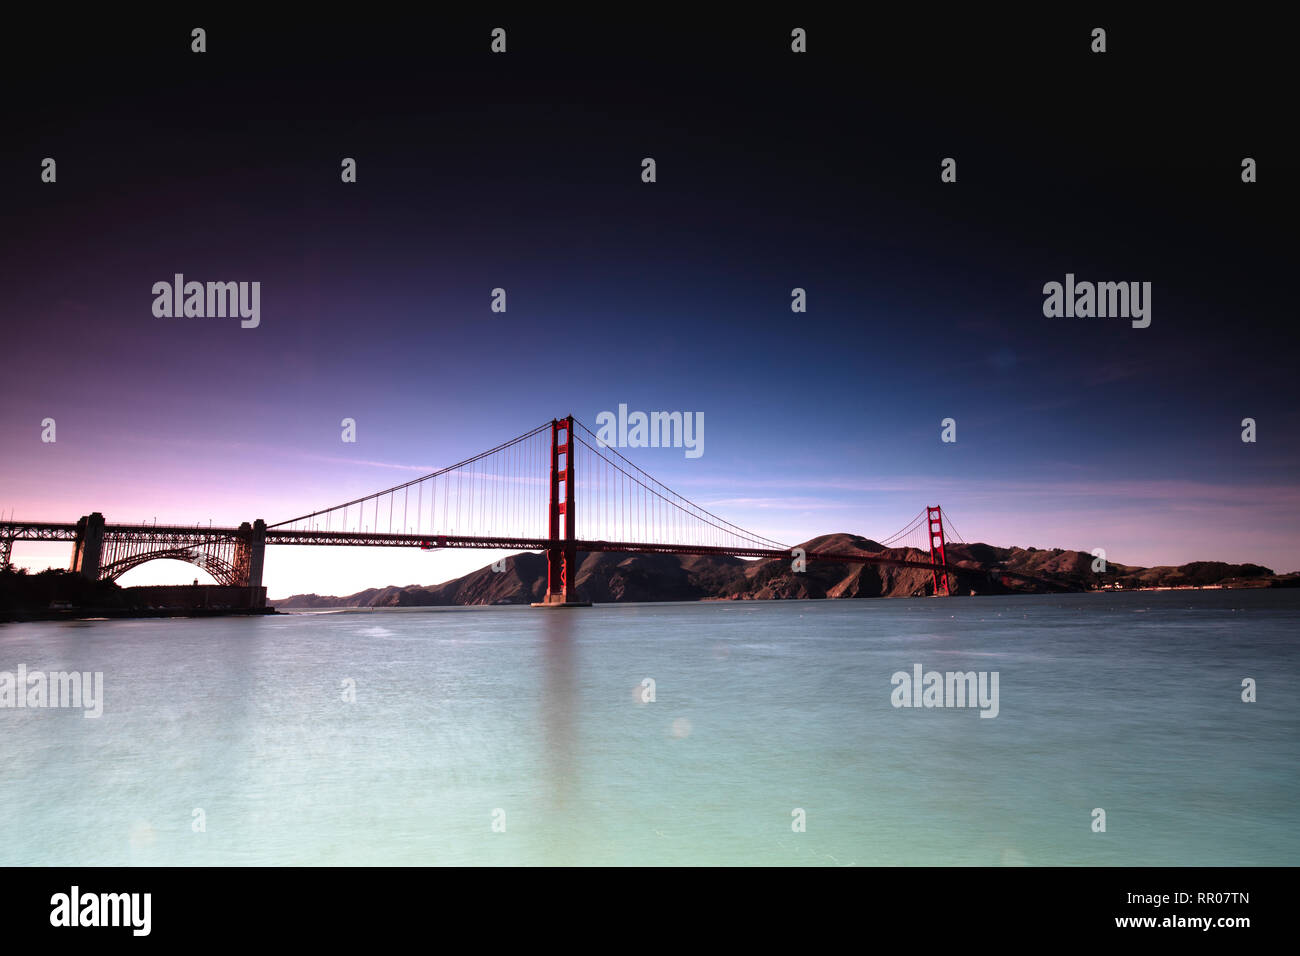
775, 170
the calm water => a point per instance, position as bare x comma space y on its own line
1127, 702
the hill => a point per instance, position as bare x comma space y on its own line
617, 577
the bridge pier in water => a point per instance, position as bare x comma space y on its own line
88, 546
250, 557
562, 562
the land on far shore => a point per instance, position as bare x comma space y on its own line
612, 577
55, 595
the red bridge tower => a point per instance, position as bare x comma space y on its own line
562, 556
935, 516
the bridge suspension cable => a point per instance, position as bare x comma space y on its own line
903, 538
558, 488
503, 486
617, 501
502, 498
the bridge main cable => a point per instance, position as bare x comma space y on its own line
415, 481
652, 486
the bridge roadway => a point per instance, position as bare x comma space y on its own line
234, 555
170, 537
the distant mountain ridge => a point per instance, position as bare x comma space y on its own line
614, 577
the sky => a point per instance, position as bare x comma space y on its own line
774, 171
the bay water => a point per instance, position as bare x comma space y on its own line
751, 733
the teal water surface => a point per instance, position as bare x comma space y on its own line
520, 736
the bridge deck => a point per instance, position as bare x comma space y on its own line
51, 531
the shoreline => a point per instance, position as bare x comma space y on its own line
93, 614
106, 613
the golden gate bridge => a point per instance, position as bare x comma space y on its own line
557, 488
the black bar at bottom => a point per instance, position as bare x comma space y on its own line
665, 908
